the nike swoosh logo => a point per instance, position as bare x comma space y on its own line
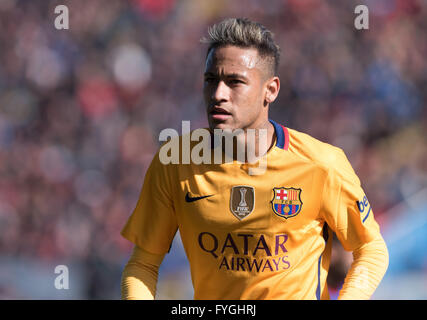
192, 199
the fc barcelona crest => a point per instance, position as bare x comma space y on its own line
286, 202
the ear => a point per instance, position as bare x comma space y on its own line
272, 89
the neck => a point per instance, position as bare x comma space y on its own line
254, 142
262, 143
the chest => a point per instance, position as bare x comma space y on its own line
278, 201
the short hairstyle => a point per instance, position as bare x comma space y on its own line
242, 32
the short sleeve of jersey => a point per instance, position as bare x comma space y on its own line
346, 208
153, 225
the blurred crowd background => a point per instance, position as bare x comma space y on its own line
81, 111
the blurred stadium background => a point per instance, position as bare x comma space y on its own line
81, 111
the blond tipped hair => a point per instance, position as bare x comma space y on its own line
242, 32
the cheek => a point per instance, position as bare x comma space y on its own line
205, 90
248, 105
206, 93
251, 100
245, 95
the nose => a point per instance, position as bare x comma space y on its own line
220, 93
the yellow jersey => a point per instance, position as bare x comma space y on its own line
253, 237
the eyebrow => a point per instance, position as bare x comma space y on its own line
229, 75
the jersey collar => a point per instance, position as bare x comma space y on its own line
282, 135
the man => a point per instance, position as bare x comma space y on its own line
259, 236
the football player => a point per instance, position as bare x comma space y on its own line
254, 236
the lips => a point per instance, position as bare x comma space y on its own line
219, 114
219, 111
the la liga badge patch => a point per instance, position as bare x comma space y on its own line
286, 202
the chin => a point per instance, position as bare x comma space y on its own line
218, 125
221, 126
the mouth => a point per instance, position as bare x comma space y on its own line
219, 114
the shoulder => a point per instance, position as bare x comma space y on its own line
312, 149
326, 156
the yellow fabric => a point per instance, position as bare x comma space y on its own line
263, 255
369, 266
139, 277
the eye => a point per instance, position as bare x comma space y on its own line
235, 81
210, 79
